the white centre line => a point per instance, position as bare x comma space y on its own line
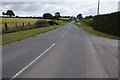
32, 62
64, 34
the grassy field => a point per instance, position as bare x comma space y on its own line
90, 30
23, 34
20, 35
14, 20
11, 22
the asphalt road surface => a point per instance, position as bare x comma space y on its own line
66, 52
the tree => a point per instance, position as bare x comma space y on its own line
89, 17
47, 16
10, 13
79, 16
57, 15
3, 13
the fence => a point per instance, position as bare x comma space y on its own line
108, 23
11, 27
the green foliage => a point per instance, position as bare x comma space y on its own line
88, 22
55, 22
57, 16
52, 23
59, 21
3, 13
10, 13
90, 30
108, 23
43, 23
79, 16
88, 17
47, 16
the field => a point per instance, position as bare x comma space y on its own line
13, 23
23, 34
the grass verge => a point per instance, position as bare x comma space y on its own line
90, 30
20, 35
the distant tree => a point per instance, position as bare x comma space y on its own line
47, 16
71, 18
65, 16
10, 13
17, 16
79, 16
88, 17
3, 13
57, 15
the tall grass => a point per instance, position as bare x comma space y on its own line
17, 24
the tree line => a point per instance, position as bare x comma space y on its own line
57, 15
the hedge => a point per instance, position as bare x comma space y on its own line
42, 23
52, 23
108, 23
88, 22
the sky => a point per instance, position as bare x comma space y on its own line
65, 7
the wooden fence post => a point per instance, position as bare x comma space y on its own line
23, 23
29, 24
6, 26
16, 25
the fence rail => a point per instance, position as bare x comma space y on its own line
11, 27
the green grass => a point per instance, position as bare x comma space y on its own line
20, 35
90, 30
64, 18
11, 22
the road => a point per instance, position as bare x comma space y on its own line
66, 52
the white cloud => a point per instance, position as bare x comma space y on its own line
58, 0
65, 8
108, 7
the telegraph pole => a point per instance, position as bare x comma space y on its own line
98, 7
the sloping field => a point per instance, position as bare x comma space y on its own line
17, 22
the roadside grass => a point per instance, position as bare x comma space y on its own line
64, 18
90, 30
20, 35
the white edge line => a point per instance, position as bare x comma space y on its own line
32, 62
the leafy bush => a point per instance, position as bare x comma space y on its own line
52, 23
42, 23
59, 21
47, 16
108, 23
88, 22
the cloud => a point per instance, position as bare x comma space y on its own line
59, 0
108, 7
65, 8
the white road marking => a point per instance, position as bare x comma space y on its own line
64, 34
32, 62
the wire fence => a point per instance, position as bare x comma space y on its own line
11, 27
